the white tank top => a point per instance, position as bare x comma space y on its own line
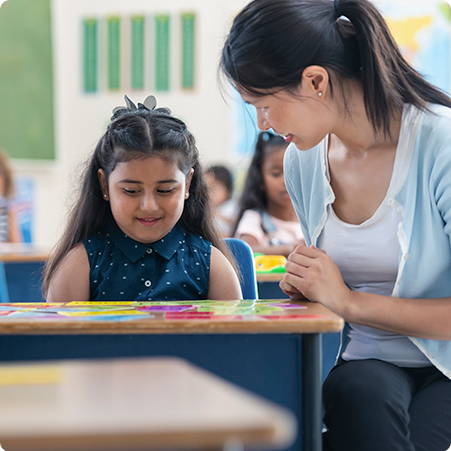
368, 256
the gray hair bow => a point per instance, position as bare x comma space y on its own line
149, 104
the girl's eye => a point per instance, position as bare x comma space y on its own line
165, 191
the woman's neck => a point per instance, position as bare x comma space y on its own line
355, 130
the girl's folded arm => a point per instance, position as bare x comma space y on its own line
70, 281
223, 283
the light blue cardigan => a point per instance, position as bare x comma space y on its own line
423, 198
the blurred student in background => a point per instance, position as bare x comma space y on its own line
266, 218
219, 182
9, 230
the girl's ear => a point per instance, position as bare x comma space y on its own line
188, 179
103, 183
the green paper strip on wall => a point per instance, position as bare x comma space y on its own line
90, 55
162, 23
137, 51
188, 49
114, 52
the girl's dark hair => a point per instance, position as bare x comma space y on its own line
134, 134
7, 174
222, 174
272, 41
254, 195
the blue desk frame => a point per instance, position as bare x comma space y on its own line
284, 368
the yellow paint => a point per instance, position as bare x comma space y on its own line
268, 262
102, 313
29, 374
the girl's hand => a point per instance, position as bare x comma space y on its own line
311, 272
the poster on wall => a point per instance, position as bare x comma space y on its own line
135, 52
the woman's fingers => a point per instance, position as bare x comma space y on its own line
296, 268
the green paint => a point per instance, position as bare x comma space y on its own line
26, 80
445, 9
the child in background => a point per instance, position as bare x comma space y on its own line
9, 230
219, 182
266, 218
141, 228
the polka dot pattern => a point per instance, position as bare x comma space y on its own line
176, 267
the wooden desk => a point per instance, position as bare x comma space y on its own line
22, 252
128, 404
268, 286
21, 265
272, 347
270, 277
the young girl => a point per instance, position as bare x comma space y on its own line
369, 173
219, 182
141, 228
9, 230
266, 218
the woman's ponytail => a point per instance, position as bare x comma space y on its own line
388, 81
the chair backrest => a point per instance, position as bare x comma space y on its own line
4, 295
245, 258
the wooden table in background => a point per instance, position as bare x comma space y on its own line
131, 404
22, 252
21, 265
272, 347
268, 286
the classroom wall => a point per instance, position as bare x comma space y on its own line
222, 128
81, 118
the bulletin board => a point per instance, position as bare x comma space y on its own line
26, 80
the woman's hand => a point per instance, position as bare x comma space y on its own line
313, 274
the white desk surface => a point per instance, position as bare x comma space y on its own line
131, 404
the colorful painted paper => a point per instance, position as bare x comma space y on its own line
249, 310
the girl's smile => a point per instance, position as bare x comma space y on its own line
147, 196
148, 221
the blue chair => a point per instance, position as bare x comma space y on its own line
245, 258
4, 294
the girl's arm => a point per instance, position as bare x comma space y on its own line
14, 235
223, 283
70, 282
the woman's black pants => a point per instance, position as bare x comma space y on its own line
371, 405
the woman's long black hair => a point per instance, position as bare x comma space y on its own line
254, 195
271, 42
134, 134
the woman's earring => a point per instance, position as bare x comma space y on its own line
187, 195
320, 94
105, 196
